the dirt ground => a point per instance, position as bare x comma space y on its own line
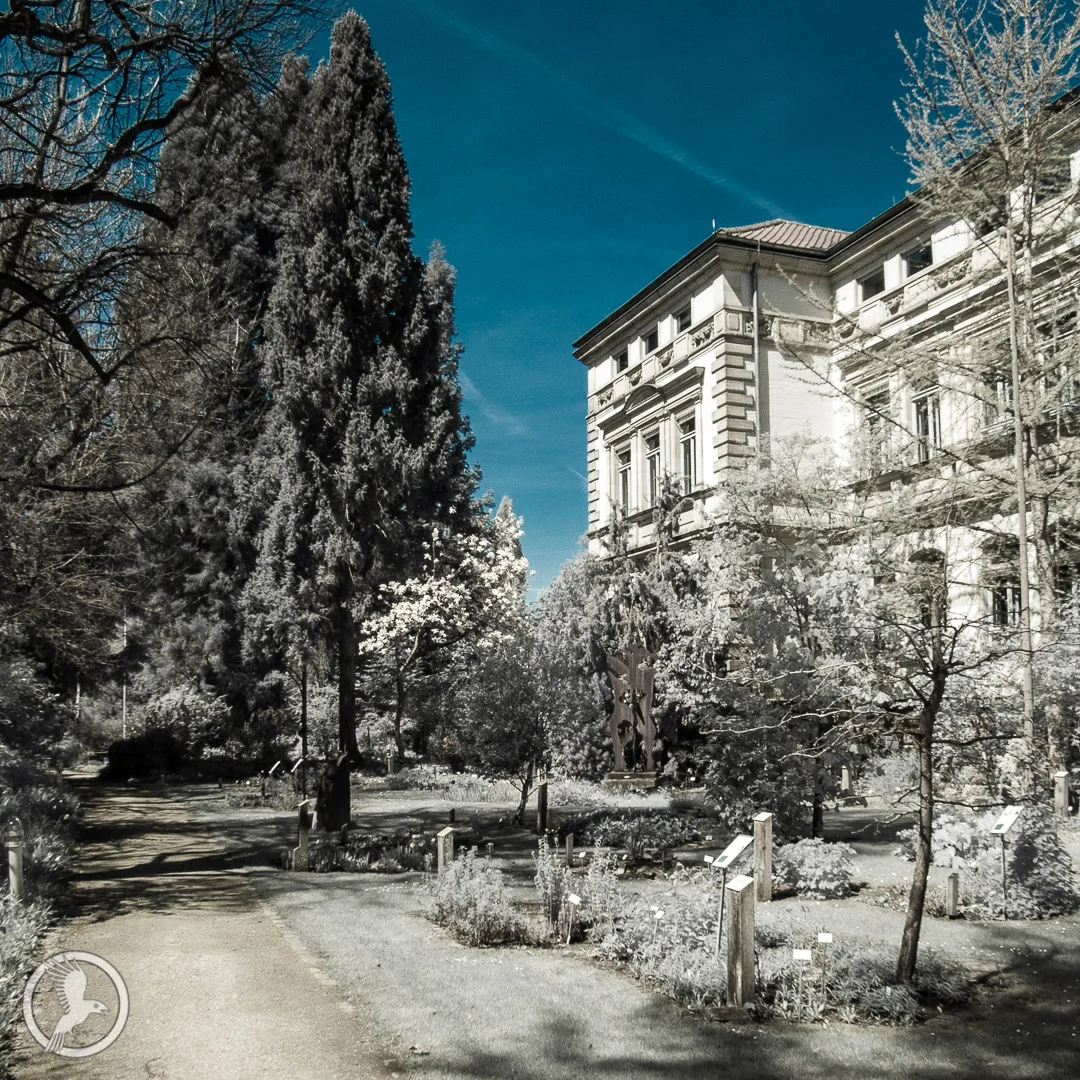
238, 969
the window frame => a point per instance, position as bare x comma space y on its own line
650, 341
683, 319
624, 485
905, 259
651, 442
926, 410
863, 282
688, 472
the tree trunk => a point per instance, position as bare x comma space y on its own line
817, 812
519, 817
347, 688
303, 729
399, 714
542, 805
924, 832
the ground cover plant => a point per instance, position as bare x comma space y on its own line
46, 809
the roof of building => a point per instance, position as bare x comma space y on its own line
788, 234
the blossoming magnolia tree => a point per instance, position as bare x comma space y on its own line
470, 588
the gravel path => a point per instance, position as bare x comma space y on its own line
217, 991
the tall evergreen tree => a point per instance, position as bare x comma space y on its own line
365, 445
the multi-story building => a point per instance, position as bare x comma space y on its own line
781, 328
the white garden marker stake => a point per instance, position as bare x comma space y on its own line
573, 900
722, 862
13, 841
658, 914
825, 940
952, 896
1000, 828
801, 957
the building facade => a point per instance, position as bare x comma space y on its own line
889, 341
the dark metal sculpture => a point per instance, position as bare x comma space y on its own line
633, 732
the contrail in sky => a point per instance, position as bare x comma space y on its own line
495, 413
584, 101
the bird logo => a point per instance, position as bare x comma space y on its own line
63, 979
68, 981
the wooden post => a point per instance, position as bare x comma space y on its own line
1061, 793
13, 839
845, 781
952, 896
740, 941
569, 849
445, 841
763, 855
389, 762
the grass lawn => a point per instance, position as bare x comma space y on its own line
546, 1013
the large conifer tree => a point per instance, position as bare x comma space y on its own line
364, 444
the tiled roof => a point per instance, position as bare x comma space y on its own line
788, 234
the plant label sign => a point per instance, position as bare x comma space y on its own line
1006, 821
574, 899
824, 939
801, 954
732, 851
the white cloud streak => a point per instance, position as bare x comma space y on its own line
579, 98
499, 416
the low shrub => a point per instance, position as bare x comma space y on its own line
602, 895
815, 868
469, 898
362, 852
639, 833
553, 884
153, 752
466, 788
1039, 872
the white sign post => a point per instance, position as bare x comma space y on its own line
1000, 828
13, 840
722, 862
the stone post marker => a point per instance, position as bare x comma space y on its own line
1061, 793
569, 849
952, 896
301, 856
763, 855
845, 781
389, 762
13, 840
445, 840
740, 941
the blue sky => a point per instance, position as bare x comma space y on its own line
567, 152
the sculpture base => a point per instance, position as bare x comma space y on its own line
630, 781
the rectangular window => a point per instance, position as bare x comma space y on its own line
687, 453
998, 399
622, 487
877, 429
652, 467
1005, 602
1053, 180
650, 341
622, 361
682, 320
927, 425
872, 284
918, 259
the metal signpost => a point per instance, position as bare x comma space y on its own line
722, 862
1000, 828
13, 841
